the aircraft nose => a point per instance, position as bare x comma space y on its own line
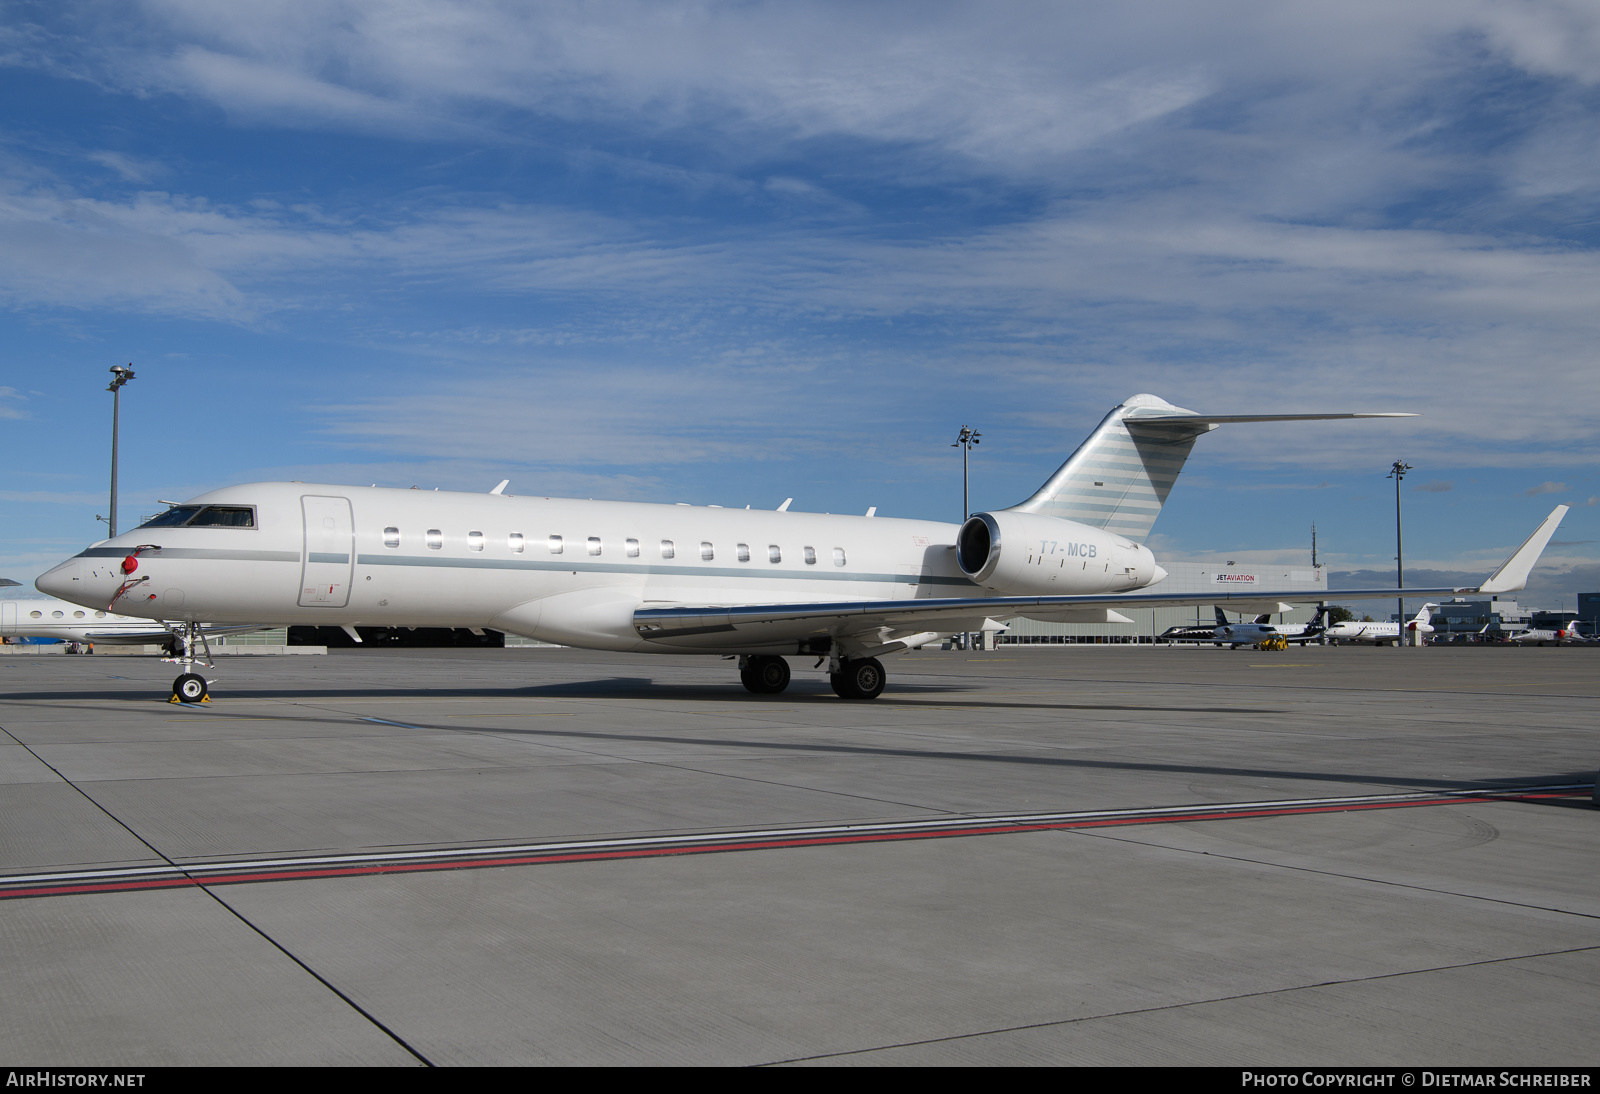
61, 581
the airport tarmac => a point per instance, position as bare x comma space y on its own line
1040, 855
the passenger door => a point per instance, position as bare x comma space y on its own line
329, 552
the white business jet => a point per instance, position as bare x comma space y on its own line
681, 579
77, 623
1381, 634
1540, 636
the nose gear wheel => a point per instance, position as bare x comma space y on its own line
190, 687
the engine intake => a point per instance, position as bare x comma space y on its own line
1017, 554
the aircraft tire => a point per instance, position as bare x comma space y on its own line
189, 688
765, 675
863, 679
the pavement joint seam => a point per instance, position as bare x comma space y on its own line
200, 884
1337, 874
1137, 1011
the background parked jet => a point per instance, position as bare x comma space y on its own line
1253, 633
1380, 634
1539, 636
71, 622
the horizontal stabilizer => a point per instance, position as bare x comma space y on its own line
1234, 419
1264, 607
1119, 478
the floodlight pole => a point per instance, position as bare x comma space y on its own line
964, 441
121, 374
1397, 473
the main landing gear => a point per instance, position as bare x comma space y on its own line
764, 674
863, 679
190, 687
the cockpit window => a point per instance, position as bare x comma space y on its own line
225, 516
209, 516
172, 518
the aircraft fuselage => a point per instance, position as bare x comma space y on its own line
562, 570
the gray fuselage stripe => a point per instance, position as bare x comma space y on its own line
552, 566
199, 552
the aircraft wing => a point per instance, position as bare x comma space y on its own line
868, 628
887, 625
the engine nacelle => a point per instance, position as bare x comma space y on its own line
1020, 554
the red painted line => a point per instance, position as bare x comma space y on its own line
200, 878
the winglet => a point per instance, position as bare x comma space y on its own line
503, 484
1513, 573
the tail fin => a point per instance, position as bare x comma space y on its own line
1120, 477
1222, 617
1425, 615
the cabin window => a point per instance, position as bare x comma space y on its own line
667, 549
594, 545
555, 545
707, 552
633, 548
811, 555
77, 615
474, 541
774, 553
435, 539
391, 537
838, 556
514, 541
744, 552
35, 615
99, 615
57, 615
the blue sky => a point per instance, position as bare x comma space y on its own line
736, 252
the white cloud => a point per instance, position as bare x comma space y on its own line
1010, 86
130, 168
15, 413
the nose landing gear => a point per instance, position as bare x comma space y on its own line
190, 687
